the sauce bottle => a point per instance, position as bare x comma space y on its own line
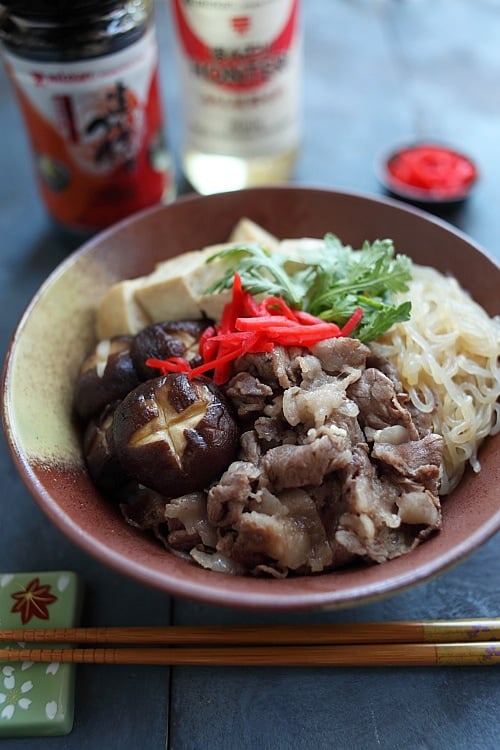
239, 63
86, 78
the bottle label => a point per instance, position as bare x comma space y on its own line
95, 128
240, 69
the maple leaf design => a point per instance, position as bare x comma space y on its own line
33, 601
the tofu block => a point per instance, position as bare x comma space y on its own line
299, 249
247, 230
177, 287
119, 312
164, 294
202, 279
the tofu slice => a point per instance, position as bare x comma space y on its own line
299, 249
164, 294
119, 312
247, 230
176, 289
202, 278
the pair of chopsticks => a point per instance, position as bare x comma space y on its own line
427, 643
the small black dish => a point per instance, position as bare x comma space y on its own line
427, 174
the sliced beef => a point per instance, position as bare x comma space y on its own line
333, 465
378, 521
302, 508
188, 522
380, 362
348, 443
330, 501
419, 508
264, 540
180, 539
145, 510
248, 395
379, 407
217, 562
317, 406
294, 538
421, 420
273, 431
227, 499
277, 368
301, 465
418, 460
250, 448
336, 355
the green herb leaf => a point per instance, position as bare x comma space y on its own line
331, 282
373, 326
261, 272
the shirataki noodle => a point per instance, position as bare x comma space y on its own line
447, 356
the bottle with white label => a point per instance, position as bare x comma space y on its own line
240, 68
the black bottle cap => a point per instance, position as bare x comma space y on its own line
52, 10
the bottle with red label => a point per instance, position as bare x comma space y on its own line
240, 68
86, 78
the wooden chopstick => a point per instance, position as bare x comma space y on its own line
359, 655
430, 631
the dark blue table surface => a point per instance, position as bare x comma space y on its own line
376, 74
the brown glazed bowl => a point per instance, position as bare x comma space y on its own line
56, 332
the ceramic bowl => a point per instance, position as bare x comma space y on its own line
56, 332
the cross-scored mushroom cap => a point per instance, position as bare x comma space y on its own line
175, 435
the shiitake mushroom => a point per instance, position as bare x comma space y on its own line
167, 339
118, 365
107, 375
174, 434
100, 456
170, 434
